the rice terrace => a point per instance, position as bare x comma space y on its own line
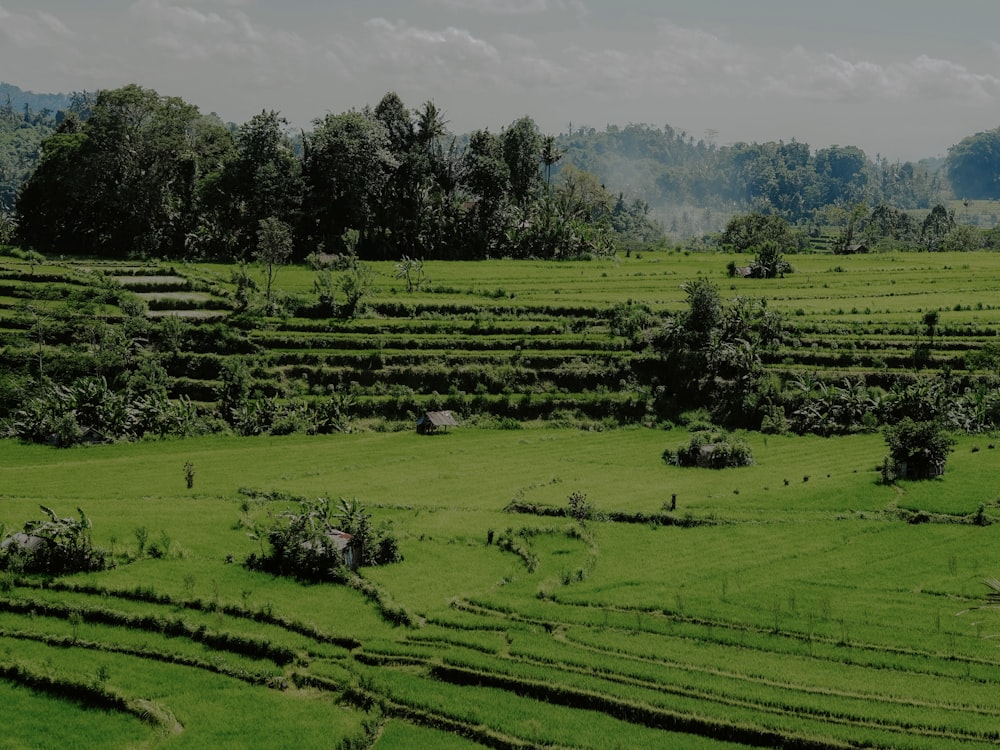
560, 584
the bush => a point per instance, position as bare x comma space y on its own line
712, 451
309, 544
53, 546
918, 449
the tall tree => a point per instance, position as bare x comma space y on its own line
551, 155
522, 150
274, 248
402, 211
262, 180
486, 176
936, 226
347, 163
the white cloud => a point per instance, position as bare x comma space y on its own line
412, 53
191, 34
943, 79
676, 60
512, 7
35, 31
698, 50
221, 33
829, 77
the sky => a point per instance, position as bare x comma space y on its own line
903, 79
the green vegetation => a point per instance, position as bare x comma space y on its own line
95, 352
270, 314
795, 601
52, 546
711, 451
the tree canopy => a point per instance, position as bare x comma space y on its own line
140, 174
973, 166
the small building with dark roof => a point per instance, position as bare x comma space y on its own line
431, 421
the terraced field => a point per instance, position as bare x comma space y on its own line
529, 340
797, 602
773, 608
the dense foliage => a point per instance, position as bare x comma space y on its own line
303, 544
21, 135
711, 450
147, 175
974, 166
669, 170
52, 546
917, 449
129, 172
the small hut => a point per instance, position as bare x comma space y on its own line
855, 248
23, 542
344, 543
431, 421
919, 468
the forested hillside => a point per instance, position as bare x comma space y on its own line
46, 104
26, 120
675, 175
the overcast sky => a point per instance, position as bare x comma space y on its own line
901, 78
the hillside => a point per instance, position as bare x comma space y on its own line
831, 348
17, 98
561, 584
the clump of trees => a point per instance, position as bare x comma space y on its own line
320, 541
917, 450
711, 450
711, 357
52, 546
768, 237
147, 175
973, 165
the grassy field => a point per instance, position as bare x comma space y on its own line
797, 602
788, 603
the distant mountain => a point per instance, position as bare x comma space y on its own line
18, 97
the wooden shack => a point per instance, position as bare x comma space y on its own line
431, 421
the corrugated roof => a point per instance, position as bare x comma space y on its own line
439, 419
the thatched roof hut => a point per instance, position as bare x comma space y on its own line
430, 421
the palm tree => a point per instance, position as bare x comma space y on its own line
430, 124
551, 154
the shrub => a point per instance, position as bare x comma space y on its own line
300, 545
53, 546
918, 449
309, 545
711, 450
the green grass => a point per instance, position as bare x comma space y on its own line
793, 600
794, 586
44, 721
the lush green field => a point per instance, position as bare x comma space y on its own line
788, 603
819, 284
514, 339
798, 602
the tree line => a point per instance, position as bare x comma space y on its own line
130, 172
667, 167
148, 175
